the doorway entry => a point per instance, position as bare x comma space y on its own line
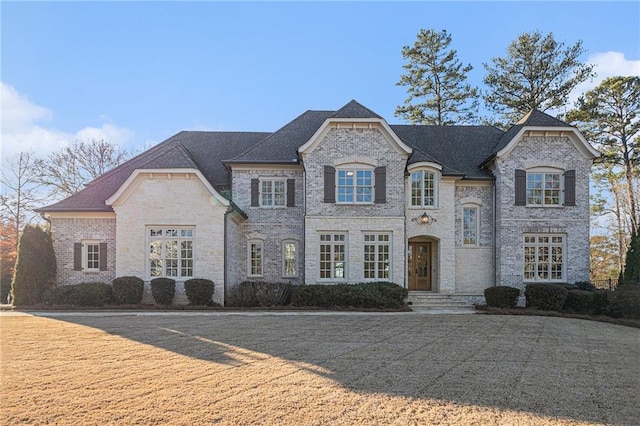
420, 265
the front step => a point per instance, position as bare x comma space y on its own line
424, 300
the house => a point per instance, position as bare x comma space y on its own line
340, 196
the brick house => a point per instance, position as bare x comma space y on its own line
340, 196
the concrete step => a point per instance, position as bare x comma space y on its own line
423, 300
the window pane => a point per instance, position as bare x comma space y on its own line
155, 258
416, 189
290, 260
469, 225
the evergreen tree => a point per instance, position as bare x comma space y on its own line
35, 269
631, 274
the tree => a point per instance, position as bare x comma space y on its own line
632, 263
435, 76
608, 117
67, 170
537, 73
35, 266
605, 261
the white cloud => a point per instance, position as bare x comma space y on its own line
23, 130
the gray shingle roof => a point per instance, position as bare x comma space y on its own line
353, 109
539, 118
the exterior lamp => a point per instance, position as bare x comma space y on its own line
425, 219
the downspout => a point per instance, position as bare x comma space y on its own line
495, 238
226, 263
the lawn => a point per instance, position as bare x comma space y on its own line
314, 368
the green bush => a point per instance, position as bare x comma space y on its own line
83, 294
579, 302
547, 297
199, 291
600, 302
5, 287
585, 285
250, 294
128, 290
624, 302
377, 295
35, 266
163, 290
501, 296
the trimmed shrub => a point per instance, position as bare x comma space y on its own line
377, 295
274, 294
585, 285
35, 266
128, 290
600, 302
249, 294
501, 296
624, 302
547, 297
579, 302
199, 291
83, 294
163, 290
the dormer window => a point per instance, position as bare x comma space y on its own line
354, 185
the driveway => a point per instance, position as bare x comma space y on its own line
317, 369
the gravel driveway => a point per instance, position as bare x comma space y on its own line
317, 369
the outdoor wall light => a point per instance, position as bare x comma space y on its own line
425, 219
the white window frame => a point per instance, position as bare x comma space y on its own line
436, 184
295, 244
540, 249
544, 172
377, 241
86, 244
272, 192
251, 272
183, 234
335, 239
476, 230
354, 186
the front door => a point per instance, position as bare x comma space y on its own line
420, 266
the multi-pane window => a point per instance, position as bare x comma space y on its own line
423, 188
543, 189
170, 252
290, 259
255, 258
273, 192
376, 256
332, 256
543, 257
355, 186
92, 256
470, 226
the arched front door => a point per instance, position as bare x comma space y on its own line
420, 267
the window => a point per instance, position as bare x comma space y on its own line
273, 193
290, 259
543, 257
255, 259
376, 256
91, 255
543, 189
470, 226
355, 186
170, 252
423, 188
332, 256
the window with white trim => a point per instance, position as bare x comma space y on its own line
424, 188
544, 257
354, 185
255, 258
289, 258
543, 188
273, 192
91, 256
333, 262
170, 252
377, 256
470, 225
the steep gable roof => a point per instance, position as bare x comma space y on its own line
353, 109
539, 118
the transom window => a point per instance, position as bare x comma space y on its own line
170, 252
470, 226
355, 186
255, 259
332, 256
273, 192
377, 256
423, 188
543, 257
543, 189
290, 259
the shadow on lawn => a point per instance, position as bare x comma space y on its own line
548, 366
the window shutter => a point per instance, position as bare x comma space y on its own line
291, 192
254, 192
381, 184
521, 187
103, 256
77, 256
570, 188
329, 184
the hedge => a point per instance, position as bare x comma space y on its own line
578, 301
83, 294
163, 290
379, 295
250, 294
199, 291
501, 296
547, 297
128, 290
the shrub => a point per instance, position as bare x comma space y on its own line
502, 296
128, 290
624, 302
84, 294
250, 294
578, 301
600, 302
5, 287
199, 291
378, 295
585, 285
163, 290
547, 297
35, 266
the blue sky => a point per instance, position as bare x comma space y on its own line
137, 73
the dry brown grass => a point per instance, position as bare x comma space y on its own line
403, 369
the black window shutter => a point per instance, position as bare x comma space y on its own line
521, 187
329, 184
103, 256
254, 192
570, 188
77, 256
291, 192
381, 184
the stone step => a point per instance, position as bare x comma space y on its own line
437, 301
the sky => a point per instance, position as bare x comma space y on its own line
136, 73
